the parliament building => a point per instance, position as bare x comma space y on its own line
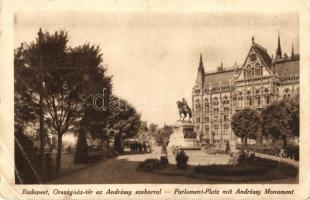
259, 81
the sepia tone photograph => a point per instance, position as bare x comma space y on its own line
156, 98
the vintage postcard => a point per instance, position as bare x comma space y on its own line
149, 100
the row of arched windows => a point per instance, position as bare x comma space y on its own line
216, 126
242, 99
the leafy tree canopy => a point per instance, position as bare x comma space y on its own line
246, 123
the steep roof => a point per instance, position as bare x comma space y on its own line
263, 53
287, 67
215, 78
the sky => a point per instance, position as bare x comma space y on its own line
153, 57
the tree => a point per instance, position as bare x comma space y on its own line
246, 124
153, 129
119, 120
70, 76
281, 120
163, 135
294, 116
26, 110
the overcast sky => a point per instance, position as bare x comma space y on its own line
154, 57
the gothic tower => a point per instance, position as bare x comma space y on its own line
200, 80
279, 50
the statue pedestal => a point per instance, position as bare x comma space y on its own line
180, 136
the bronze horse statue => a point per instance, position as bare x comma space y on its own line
184, 109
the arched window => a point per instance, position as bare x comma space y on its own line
240, 99
267, 96
206, 104
249, 98
244, 74
197, 104
226, 128
286, 93
249, 71
225, 100
257, 70
261, 70
252, 72
257, 97
215, 101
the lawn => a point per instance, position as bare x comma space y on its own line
263, 170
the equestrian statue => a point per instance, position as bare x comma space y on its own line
184, 109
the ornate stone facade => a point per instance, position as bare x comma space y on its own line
258, 82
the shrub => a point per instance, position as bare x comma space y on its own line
69, 149
231, 170
149, 165
242, 157
293, 152
164, 161
181, 159
258, 166
81, 153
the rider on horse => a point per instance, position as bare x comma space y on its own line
184, 109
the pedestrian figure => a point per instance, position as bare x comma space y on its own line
164, 151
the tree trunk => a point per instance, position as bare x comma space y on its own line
245, 141
259, 139
59, 149
116, 143
108, 144
101, 143
284, 142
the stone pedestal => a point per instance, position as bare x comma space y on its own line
183, 136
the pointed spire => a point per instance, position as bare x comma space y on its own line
252, 39
279, 50
200, 61
220, 68
292, 55
201, 72
40, 32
